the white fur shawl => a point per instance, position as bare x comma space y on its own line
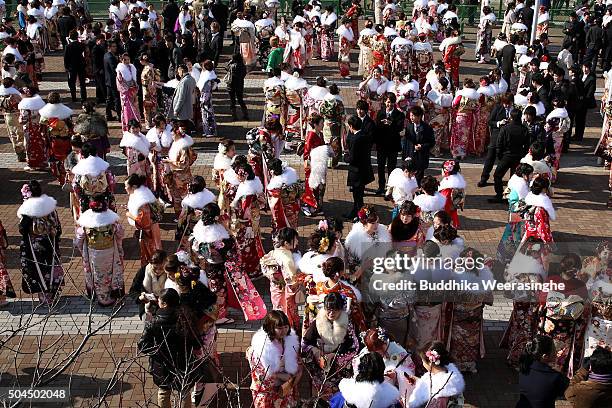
141, 196
209, 233
560, 113
420, 46
358, 241
541, 200
330, 97
90, 166
488, 90
469, 93
311, 262
447, 42
368, 394
455, 386
33, 103
366, 32
181, 144
332, 333
163, 140
519, 185
92, 219
328, 18
430, 203
206, 76
222, 162
272, 82
451, 251
55, 110
230, 176
288, 178
452, 181
8, 91
406, 186
318, 165
347, 33
524, 264
128, 72
37, 206
317, 92
295, 83
267, 352
198, 200
444, 100
138, 142
247, 188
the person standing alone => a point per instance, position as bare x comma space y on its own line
74, 62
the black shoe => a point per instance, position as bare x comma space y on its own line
482, 183
496, 200
379, 192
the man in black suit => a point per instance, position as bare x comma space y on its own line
506, 58
537, 86
389, 124
220, 12
512, 145
170, 14
360, 172
368, 126
588, 102
419, 142
594, 42
498, 118
110, 75
216, 42
526, 16
98, 52
65, 24
74, 57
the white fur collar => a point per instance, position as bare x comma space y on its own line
519, 185
288, 178
230, 176
247, 188
401, 41
206, 76
367, 31
141, 196
422, 46
209, 233
541, 200
525, 264
330, 97
491, 17
310, 264
560, 113
55, 110
486, 90
540, 109
429, 203
222, 162
317, 93
390, 32
329, 18
358, 241
444, 100
138, 142
452, 250
268, 352
521, 49
469, 93
33, 103
295, 83
128, 72
37, 206
90, 166
332, 333
198, 200
368, 394
242, 23
542, 18
272, 82
452, 181
92, 219
165, 140
455, 386
397, 179
447, 42
8, 91
347, 33
183, 143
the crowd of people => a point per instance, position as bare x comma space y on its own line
158, 73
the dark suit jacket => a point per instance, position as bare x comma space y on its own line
589, 91
497, 113
387, 137
97, 56
170, 13
544, 98
74, 57
65, 24
425, 137
507, 59
541, 386
513, 141
216, 46
360, 171
110, 66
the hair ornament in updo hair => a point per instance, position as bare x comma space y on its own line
323, 226
242, 172
323, 245
433, 357
26, 192
221, 148
219, 245
448, 166
363, 214
97, 206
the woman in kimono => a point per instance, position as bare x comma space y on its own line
37, 35
265, 30
557, 122
439, 100
295, 50
93, 181
226, 150
127, 86
431, 201
51, 16
316, 153
346, 41
244, 31
227, 191
144, 214
401, 52
136, 148
41, 231
401, 186
328, 27
207, 83
275, 364
246, 207
160, 136
353, 13
180, 158
99, 238
191, 209
150, 79
380, 51
283, 193
542, 26
539, 214
332, 110
329, 346
452, 49
29, 118
92, 127
517, 190
9, 100
57, 129
487, 102
465, 105
484, 36
275, 98
282, 32
295, 91
368, 90
452, 187
315, 95
365, 48
406, 229
422, 59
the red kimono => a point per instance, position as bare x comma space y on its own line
452, 58
312, 140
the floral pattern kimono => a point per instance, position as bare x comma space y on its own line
537, 223
513, 233
207, 84
191, 212
558, 122
353, 13
346, 40
365, 51
29, 118
311, 196
368, 91
9, 100
128, 93
440, 103
465, 105
247, 205
452, 49
41, 231
314, 98
332, 110
328, 23
542, 27
422, 61
142, 205
99, 238
136, 148
283, 193
484, 37
276, 99
227, 193
57, 129
380, 54
221, 163
487, 102
150, 79
295, 89
599, 327
401, 51
244, 31
181, 156
160, 170
6, 287
93, 179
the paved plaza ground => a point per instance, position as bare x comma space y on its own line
582, 217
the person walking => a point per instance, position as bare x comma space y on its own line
419, 140
113, 102
507, 57
74, 56
512, 145
236, 71
360, 172
589, 86
183, 99
497, 119
389, 124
